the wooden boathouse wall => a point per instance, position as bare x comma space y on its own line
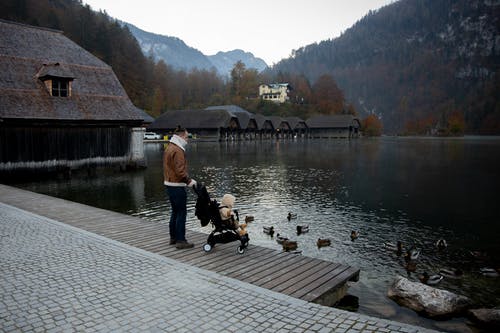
42, 146
86, 119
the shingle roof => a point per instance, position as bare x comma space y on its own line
295, 122
278, 122
146, 117
193, 119
244, 116
263, 122
332, 121
29, 53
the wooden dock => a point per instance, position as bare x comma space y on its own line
306, 278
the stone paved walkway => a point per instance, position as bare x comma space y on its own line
57, 278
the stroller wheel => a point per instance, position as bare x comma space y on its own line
240, 249
207, 247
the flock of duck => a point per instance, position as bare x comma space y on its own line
291, 245
410, 255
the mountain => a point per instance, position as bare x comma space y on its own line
224, 61
171, 50
417, 64
174, 52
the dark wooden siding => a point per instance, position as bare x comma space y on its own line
37, 144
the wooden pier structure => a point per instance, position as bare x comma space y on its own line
302, 277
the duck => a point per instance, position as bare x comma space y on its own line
480, 255
410, 266
289, 245
451, 273
269, 230
398, 247
323, 242
249, 218
280, 239
489, 272
430, 279
441, 244
354, 235
412, 254
302, 229
291, 216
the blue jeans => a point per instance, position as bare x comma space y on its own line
178, 201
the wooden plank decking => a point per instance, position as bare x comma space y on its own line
299, 276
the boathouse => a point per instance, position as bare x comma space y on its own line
61, 108
333, 126
298, 127
265, 126
204, 124
248, 125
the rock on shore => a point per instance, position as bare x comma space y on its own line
426, 300
487, 317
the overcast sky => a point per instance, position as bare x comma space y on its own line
270, 29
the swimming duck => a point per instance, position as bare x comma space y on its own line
489, 272
480, 255
269, 230
410, 266
412, 254
451, 273
280, 239
398, 247
441, 244
302, 229
291, 216
430, 279
354, 235
323, 242
249, 218
289, 245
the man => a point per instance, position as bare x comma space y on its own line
176, 179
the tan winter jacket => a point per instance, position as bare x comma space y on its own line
175, 167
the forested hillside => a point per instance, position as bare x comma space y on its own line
93, 31
152, 86
157, 86
420, 65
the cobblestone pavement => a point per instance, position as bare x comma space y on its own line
57, 278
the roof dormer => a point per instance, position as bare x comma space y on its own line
57, 79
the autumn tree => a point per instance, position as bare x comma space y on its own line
456, 123
328, 97
237, 74
371, 126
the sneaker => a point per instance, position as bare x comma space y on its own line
172, 241
183, 245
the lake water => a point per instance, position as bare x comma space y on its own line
415, 190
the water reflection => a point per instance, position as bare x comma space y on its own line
389, 189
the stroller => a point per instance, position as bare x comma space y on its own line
207, 210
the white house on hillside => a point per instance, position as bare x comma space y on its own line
275, 92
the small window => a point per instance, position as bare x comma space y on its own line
60, 88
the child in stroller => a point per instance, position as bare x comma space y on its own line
224, 219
